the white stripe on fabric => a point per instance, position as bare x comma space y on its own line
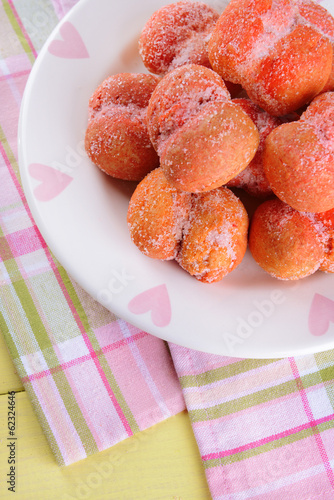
145, 371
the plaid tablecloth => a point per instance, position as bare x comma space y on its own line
264, 428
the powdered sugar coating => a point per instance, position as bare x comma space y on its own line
317, 16
202, 138
324, 224
205, 233
285, 242
177, 34
320, 117
179, 96
117, 139
299, 158
156, 216
280, 51
215, 236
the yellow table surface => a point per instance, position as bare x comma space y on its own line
162, 463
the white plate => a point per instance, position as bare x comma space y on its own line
82, 213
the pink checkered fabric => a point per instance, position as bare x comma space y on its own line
264, 428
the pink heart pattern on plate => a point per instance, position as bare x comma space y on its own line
71, 46
321, 315
52, 181
155, 300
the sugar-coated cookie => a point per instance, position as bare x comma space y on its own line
281, 51
203, 138
205, 233
156, 216
177, 34
285, 242
215, 236
298, 158
117, 139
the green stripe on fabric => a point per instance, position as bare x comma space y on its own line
103, 362
5, 251
254, 399
10, 155
118, 394
13, 270
267, 447
224, 372
8, 338
77, 304
16, 321
311, 380
244, 402
324, 358
326, 372
19, 33
78, 420
44, 424
35, 320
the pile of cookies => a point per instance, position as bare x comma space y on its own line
245, 100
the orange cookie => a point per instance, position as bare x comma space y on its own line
215, 236
281, 51
315, 14
206, 233
156, 216
177, 34
285, 242
325, 225
203, 139
253, 179
298, 158
117, 139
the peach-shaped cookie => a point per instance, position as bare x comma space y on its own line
285, 242
203, 139
156, 216
253, 179
279, 51
206, 232
117, 139
215, 236
177, 34
299, 158
179, 95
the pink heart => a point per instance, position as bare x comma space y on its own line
53, 182
321, 314
71, 46
155, 300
